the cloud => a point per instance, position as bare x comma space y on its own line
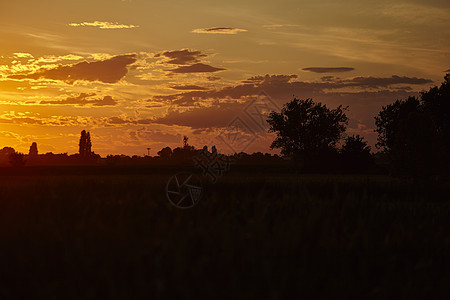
182, 57
82, 100
23, 55
206, 117
381, 81
214, 109
106, 101
103, 25
37, 119
144, 134
188, 61
107, 71
284, 86
280, 26
272, 84
447, 71
328, 69
219, 30
188, 87
196, 68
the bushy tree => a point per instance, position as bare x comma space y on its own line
16, 159
415, 133
308, 131
165, 152
356, 156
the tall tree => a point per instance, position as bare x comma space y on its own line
33, 150
88, 145
85, 145
82, 144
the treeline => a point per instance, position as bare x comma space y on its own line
413, 141
85, 155
413, 136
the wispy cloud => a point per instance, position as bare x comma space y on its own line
82, 100
188, 87
103, 25
417, 13
284, 86
219, 30
23, 55
328, 69
196, 68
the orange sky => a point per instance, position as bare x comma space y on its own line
140, 74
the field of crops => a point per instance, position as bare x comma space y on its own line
110, 232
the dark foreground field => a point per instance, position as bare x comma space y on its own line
110, 233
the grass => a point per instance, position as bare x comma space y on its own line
90, 233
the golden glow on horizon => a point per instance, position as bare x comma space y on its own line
139, 74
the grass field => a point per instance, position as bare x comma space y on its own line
92, 233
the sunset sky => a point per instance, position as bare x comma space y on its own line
142, 73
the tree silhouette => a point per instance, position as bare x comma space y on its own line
33, 150
165, 153
16, 159
88, 144
356, 155
415, 133
85, 145
6, 151
82, 144
307, 130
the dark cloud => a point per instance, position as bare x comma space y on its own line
272, 84
381, 81
144, 134
107, 71
117, 121
328, 69
328, 78
107, 100
196, 68
219, 30
188, 61
188, 87
182, 57
206, 117
447, 71
284, 87
365, 96
83, 99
